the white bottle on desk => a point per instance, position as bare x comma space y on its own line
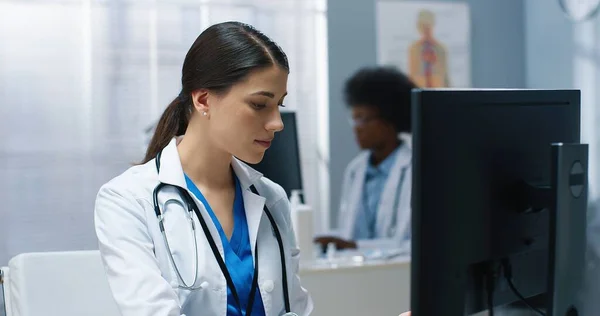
302, 221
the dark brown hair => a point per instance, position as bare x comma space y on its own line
223, 55
384, 88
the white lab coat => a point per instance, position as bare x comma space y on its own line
140, 274
392, 222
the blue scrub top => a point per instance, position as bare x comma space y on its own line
238, 253
376, 178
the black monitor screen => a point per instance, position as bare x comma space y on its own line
489, 199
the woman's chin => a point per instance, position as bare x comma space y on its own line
252, 158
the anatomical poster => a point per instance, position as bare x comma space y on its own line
428, 41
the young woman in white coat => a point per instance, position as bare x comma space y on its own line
375, 198
193, 230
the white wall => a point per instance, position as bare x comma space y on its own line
80, 81
562, 54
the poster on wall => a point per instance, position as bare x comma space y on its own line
429, 41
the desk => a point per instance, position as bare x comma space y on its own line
349, 288
357, 289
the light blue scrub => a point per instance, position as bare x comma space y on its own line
375, 179
238, 253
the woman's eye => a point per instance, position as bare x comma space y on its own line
258, 105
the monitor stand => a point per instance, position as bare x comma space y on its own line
566, 201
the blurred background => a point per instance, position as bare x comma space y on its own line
83, 83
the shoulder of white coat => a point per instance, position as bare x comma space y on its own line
133, 183
358, 161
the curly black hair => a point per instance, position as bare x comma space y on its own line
384, 88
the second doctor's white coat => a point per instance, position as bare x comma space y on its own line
394, 211
140, 274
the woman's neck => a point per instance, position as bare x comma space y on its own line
204, 164
379, 154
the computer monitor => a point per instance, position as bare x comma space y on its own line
281, 162
499, 200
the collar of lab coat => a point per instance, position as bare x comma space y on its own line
406, 138
171, 171
384, 166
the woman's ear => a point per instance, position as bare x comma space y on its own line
200, 100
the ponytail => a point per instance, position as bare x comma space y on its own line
173, 122
223, 55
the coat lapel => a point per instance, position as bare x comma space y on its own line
260, 229
253, 203
390, 195
354, 197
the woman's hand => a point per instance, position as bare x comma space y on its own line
405, 314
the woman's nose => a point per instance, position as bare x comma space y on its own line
275, 122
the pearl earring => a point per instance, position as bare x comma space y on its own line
204, 113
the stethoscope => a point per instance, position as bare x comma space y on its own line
192, 207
